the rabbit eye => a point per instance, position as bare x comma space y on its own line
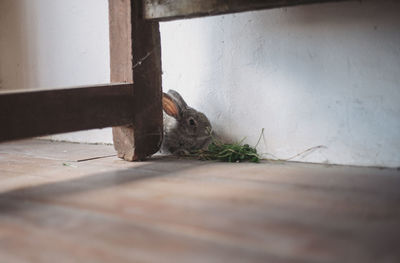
192, 122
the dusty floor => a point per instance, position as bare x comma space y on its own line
55, 208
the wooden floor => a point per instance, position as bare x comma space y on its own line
56, 206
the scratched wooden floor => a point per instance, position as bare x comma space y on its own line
57, 206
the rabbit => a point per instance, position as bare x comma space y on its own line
185, 129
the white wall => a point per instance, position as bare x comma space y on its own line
326, 74
55, 43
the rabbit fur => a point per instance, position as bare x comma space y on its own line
185, 129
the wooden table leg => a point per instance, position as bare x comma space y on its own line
136, 57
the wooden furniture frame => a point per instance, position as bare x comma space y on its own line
133, 104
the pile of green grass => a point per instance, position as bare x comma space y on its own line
230, 152
238, 152
235, 152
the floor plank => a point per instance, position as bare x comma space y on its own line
55, 209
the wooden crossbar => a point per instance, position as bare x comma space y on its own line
163, 10
42, 112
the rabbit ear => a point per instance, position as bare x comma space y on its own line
170, 106
178, 99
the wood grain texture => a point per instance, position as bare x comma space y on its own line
169, 210
136, 56
120, 41
42, 112
163, 10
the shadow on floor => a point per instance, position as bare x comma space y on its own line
99, 181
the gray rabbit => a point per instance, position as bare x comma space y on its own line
185, 129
